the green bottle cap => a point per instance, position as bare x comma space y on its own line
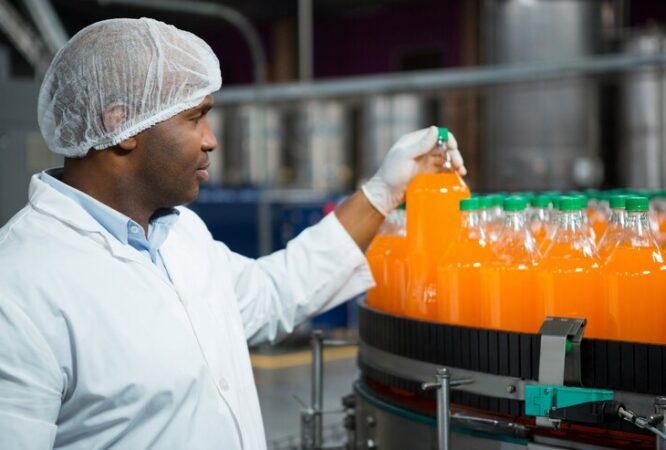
637, 203
497, 199
617, 201
584, 201
469, 204
442, 134
555, 201
540, 201
568, 203
514, 203
528, 195
485, 202
402, 205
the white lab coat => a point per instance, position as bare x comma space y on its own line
98, 350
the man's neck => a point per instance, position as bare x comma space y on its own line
105, 187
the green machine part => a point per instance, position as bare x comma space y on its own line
540, 399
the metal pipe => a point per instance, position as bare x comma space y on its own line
24, 38
305, 55
441, 79
48, 23
211, 10
443, 409
660, 408
317, 398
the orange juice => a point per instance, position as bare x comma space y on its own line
433, 220
395, 275
376, 256
459, 293
383, 254
636, 281
509, 281
569, 281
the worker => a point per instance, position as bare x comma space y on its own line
123, 323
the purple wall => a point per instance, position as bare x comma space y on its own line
373, 43
364, 43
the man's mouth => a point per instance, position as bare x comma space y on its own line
202, 172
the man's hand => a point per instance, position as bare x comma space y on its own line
363, 213
414, 153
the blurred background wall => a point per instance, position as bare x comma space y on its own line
541, 94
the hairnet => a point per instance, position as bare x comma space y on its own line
118, 77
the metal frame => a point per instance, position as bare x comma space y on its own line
438, 79
485, 384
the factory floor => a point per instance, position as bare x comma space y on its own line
283, 376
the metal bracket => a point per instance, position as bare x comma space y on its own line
443, 386
559, 361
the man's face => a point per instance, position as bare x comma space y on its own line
174, 156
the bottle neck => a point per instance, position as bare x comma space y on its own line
617, 217
540, 214
637, 229
472, 226
570, 221
514, 220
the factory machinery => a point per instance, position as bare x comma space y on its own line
426, 385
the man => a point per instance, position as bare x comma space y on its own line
123, 324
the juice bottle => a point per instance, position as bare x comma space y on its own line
615, 228
551, 228
396, 265
636, 280
486, 216
538, 218
380, 256
569, 280
658, 212
598, 213
433, 220
587, 224
509, 281
459, 272
495, 216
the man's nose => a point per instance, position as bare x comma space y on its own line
209, 141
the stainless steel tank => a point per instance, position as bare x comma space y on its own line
642, 163
320, 149
540, 135
251, 145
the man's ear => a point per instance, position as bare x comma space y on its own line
128, 144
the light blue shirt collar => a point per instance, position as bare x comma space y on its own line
126, 230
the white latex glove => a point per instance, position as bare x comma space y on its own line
411, 155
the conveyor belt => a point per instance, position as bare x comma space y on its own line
614, 365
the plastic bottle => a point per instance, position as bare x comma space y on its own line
551, 228
459, 272
381, 256
569, 279
587, 224
509, 281
615, 227
486, 214
636, 280
433, 220
396, 263
539, 217
598, 212
495, 220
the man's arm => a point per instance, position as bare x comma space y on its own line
360, 219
